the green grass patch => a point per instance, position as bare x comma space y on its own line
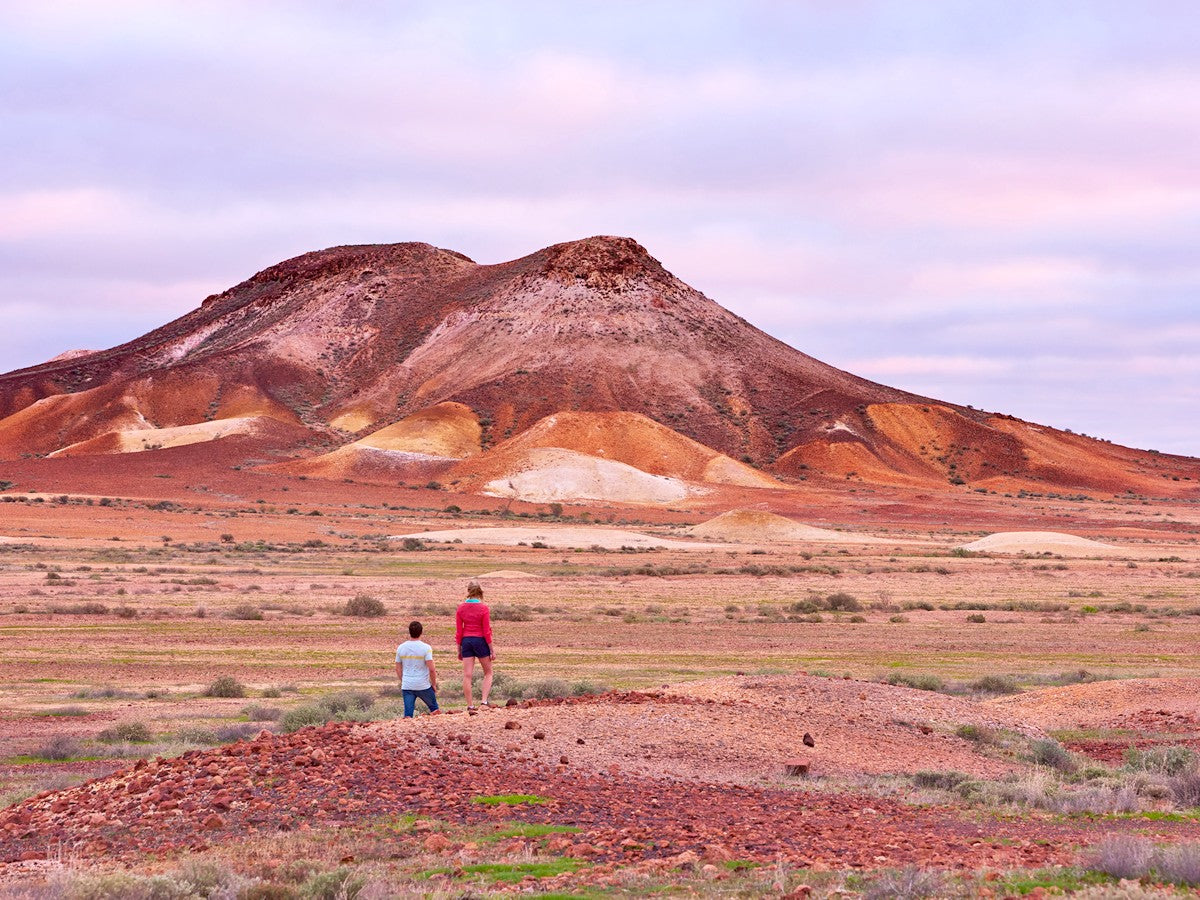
1158, 815
511, 873
510, 799
1066, 880
529, 830
741, 865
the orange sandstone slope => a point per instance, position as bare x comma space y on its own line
332, 347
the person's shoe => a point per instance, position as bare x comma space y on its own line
486, 705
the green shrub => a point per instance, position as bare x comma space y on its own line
341, 884
364, 606
1173, 760
995, 684
547, 688
59, 747
225, 686
843, 601
133, 732
917, 681
346, 701
303, 716
256, 712
1049, 752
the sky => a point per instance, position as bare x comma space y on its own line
988, 203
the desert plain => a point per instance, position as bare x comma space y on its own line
829, 692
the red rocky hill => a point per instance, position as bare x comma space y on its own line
333, 346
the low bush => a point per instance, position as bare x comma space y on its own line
995, 684
519, 612
59, 747
237, 731
1049, 752
585, 688
1178, 864
843, 601
246, 612
1185, 789
346, 701
547, 688
256, 712
131, 732
364, 606
917, 681
946, 781
909, 883
303, 716
225, 686
1121, 856
1172, 760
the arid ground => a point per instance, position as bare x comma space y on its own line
982, 722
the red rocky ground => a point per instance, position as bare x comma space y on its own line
343, 774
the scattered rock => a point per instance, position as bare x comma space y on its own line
511, 725
539, 735
807, 740
436, 843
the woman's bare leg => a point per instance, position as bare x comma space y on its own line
468, 673
486, 690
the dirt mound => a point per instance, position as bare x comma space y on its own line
565, 536
755, 525
1100, 704
637, 441
1036, 542
548, 474
617, 456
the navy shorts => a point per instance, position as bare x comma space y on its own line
474, 646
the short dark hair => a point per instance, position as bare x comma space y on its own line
415, 629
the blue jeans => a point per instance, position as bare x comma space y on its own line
427, 695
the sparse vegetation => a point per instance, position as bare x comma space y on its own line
225, 686
364, 606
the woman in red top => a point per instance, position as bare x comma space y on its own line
473, 634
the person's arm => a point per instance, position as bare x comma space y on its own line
487, 631
399, 670
458, 629
432, 673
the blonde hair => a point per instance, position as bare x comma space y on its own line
475, 590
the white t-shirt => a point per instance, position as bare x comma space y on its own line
412, 656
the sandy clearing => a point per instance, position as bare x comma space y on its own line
510, 573
1041, 542
608, 538
1100, 703
759, 526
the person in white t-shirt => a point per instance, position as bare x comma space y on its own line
417, 674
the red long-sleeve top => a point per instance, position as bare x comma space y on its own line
472, 620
